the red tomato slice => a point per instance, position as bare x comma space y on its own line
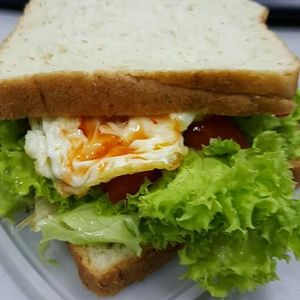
199, 133
119, 187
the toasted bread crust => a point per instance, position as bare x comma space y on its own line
262, 83
76, 93
112, 281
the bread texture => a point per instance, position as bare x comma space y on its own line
73, 58
107, 269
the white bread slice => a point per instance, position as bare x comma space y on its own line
107, 269
69, 58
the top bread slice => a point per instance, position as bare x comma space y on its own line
71, 58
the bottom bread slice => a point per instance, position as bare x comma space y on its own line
107, 269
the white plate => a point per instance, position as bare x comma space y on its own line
21, 268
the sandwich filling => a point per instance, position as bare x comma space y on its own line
221, 187
83, 152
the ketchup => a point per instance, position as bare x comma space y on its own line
119, 187
199, 133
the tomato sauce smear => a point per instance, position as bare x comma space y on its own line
199, 133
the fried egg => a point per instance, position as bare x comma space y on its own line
77, 153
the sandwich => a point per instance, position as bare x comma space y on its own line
135, 131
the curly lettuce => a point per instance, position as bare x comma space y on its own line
287, 127
19, 183
233, 211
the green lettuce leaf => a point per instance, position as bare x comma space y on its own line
92, 223
232, 210
19, 183
287, 127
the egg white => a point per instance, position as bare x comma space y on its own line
51, 140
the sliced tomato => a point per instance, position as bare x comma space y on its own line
119, 187
199, 133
